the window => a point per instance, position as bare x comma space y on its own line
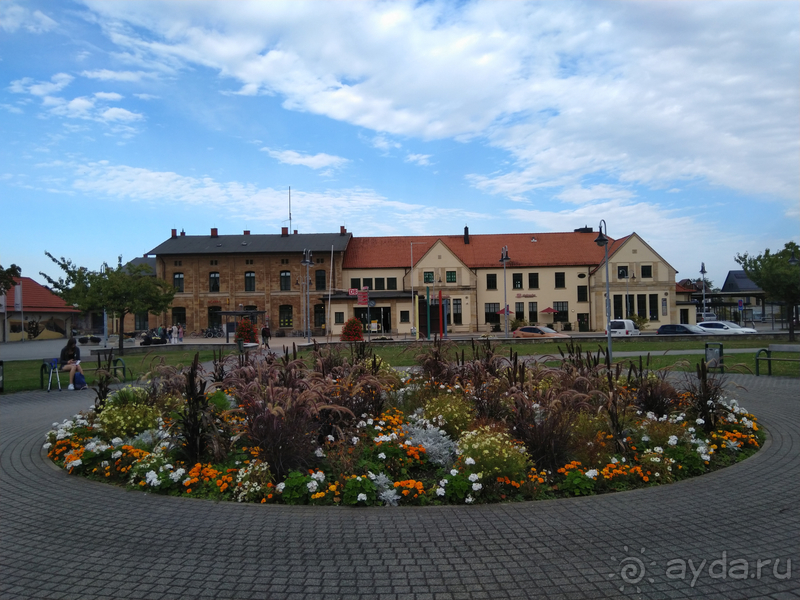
286, 281
319, 315
213, 281
285, 315
653, 302
647, 271
355, 282
320, 261
491, 309
367, 283
641, 305
141, 321
178, 263
427, 277
214, 262
533, 312
664, 311
248, 261
491, 283
380, 284
561, 280
622, 272
533, 281
519, 310
178, 315
338, 318
583, 293
404, 316
177, 281
284, 261
250, 281
450, 276
320, 277
250, 307
617, 312
562, 316
516, 281
391, 283
457, 311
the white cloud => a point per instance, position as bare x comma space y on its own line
12, 109
26, 85
119, 114
146, 96
584, 195
14, 17
419, 159
108, 75
108, 96
381, 142
315, 161
647, 93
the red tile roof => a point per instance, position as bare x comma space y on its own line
37, 299
679, 289
483, 251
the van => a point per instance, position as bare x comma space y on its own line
705, 316
623, 327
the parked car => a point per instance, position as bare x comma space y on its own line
623, 327
705, 316
681, 330
724, 328
537, 331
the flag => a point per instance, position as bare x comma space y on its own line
18, 297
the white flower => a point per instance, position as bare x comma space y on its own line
362, 498
319, 476
382, 456
152, 478
361, 424
354, 440
443, 482
699, 421
116, 441
319, 453
279, 487
369, 421
371, 475
673, 440
74, 463
658, 450
705, 457
614, 460
47, 445
469, 461
312, 486
591, 473
176, 475
331, 438
477, 486
454, 472
117, 454
469, 499
440, 491
645, 438
655, 459
474, 477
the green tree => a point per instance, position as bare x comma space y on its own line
7, 278
775, 274
128, 289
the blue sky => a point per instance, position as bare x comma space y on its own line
120, 121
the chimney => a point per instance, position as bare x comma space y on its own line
174, 233
342, 230
284, 231
183, 233
295, 231
247, 232
466, 234
214, 232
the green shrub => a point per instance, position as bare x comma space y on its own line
128, 419
450, 412
127, 395
494, 452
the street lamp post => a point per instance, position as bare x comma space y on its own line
307, 262
794, 262
413, 307
602, 241
703, 283
504, 259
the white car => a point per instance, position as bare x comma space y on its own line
725, 328
623, 327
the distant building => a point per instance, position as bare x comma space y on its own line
43, 316
556, 279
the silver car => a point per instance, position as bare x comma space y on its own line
725, 328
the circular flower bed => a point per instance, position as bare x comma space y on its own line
351, 431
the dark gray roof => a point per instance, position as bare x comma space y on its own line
259, 244
738, 281
144, 260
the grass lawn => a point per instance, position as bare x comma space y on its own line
22, 375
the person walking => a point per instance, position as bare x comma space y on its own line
173, 334
265, 335
180, 333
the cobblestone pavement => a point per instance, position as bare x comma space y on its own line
67, 538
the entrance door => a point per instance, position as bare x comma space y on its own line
684, 316
583, 321
214, 318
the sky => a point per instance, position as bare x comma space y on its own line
119, 121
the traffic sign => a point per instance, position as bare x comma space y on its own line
741, 304
371, 303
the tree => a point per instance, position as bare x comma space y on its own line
128, 289
7, 278
775, 274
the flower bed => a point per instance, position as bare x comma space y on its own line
350, 431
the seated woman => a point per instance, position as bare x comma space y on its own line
70, 359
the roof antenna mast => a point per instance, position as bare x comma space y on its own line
290, 209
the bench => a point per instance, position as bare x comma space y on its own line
769, 358
50, 367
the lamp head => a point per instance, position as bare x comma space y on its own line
601, 239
